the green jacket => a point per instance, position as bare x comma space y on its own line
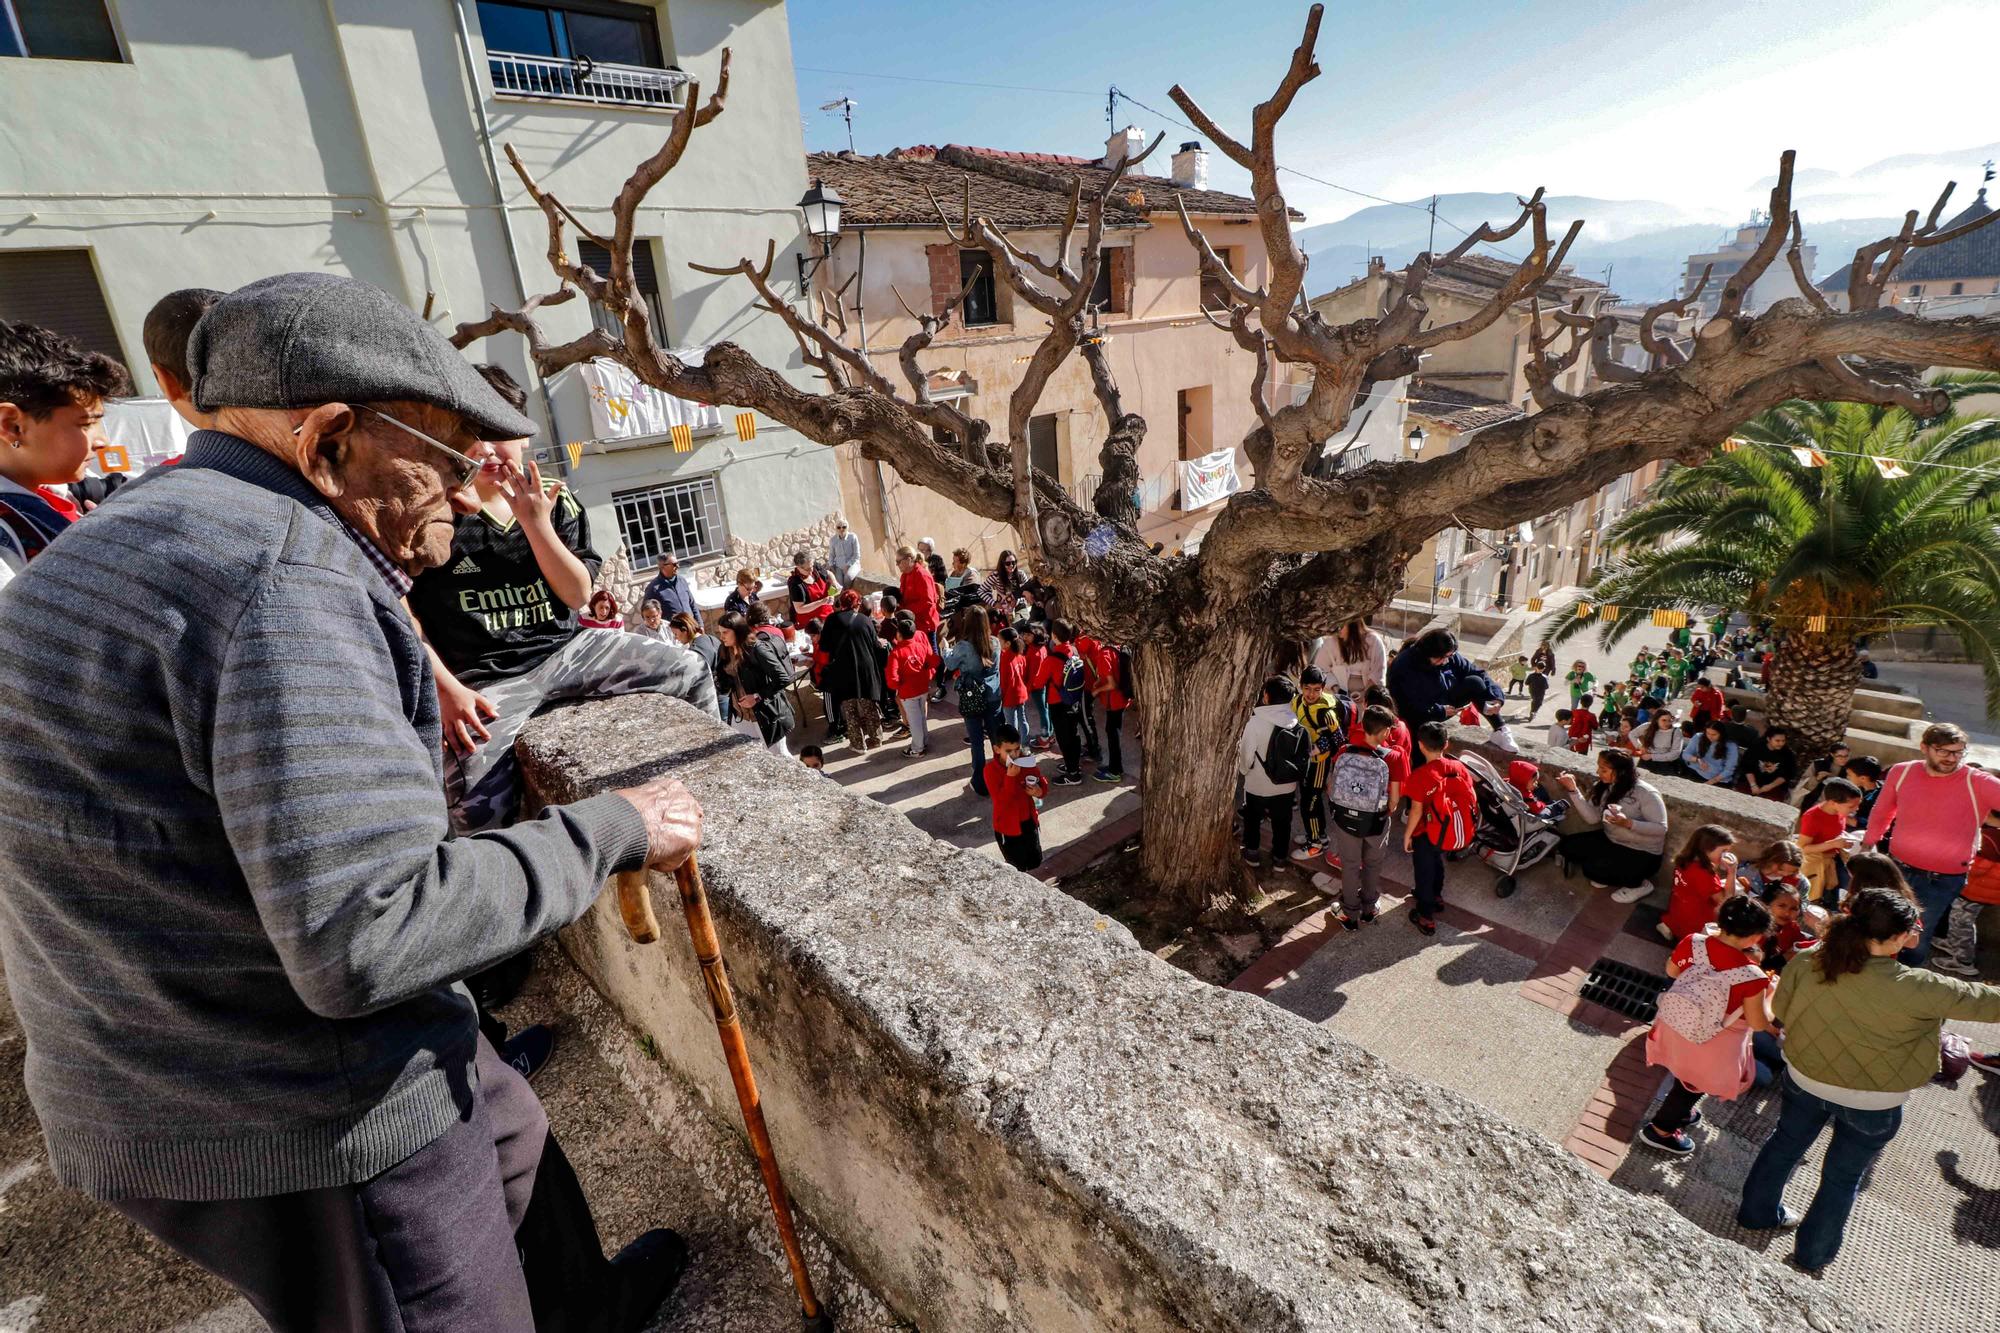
1875, 1030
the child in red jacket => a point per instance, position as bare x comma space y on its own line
1013, 681
1582, 725
1014, 784
1035, 649
1111, 698
913, 665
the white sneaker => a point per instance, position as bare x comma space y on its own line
1503, 739
1632, 894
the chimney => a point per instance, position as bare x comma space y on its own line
1126, 143
1191, 166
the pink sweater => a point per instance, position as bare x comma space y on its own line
1937, 819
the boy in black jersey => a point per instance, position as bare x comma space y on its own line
500, 619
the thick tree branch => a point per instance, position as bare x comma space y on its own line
1796, 258
1737, 289
1662, 350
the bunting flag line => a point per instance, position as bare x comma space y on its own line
683, 435
1808, 457
1670, 619
1608, 612
574, 449
746, 425
1888, 467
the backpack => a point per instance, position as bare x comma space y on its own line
1697, 1004
1070, 683
1286, 754
1359, 791
1455, 806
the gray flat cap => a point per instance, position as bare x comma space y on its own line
301, 339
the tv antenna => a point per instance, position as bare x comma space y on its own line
845, 106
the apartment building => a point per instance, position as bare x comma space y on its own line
155, 144
893, 261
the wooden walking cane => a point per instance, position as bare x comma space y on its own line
635, 905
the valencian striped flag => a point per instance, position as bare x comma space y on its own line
1666, 619
683, 435
1888, 467
1816, 624
1808, 457
746, 425
575, 451
1731, 445
1583, 610
1534, 603
1608, 612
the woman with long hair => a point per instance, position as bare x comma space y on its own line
973, 664
1861, 1034
1658, 744
1353, 657
1004, 584
762, 676
1711, 756
1624, 852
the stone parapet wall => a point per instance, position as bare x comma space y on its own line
1007, 1116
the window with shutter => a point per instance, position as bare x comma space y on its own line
975, 273
58, 290
58, 30
598, 260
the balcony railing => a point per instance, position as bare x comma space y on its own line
584, 80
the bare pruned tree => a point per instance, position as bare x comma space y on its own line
1300, 551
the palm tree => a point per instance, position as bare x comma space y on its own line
1830, 553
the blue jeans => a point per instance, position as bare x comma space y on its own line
1858, 1139
1017, 718
1935, 895
977, 728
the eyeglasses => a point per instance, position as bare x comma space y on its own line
464, 467
1948, 752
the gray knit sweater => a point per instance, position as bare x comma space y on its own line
230, 912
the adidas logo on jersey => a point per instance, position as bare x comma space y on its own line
465, 566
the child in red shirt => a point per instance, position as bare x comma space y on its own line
913, 665
1399, 735
1014, 787
1582, 725
1704, 875
1823, 833
1038, 733
1110, 698
1441, 787
1013, 681
1716, 1056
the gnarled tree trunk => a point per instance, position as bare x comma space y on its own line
1813, 677
1194, 696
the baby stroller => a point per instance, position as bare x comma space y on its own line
1512, 836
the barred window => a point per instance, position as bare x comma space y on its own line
682, 517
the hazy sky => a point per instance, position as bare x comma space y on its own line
1687, 101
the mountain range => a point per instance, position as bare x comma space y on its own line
1644, 242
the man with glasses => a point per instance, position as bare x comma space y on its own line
843, 554
500, 620
232, 914
1931, 809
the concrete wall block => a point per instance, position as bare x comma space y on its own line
1006, 1115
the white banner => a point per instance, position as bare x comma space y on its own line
147, 429
1209, 479
621, 408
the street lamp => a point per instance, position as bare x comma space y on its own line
1416, 439
821, 205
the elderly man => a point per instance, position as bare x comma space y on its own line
231, 913
671, 590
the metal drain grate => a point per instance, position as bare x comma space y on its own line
1623, 989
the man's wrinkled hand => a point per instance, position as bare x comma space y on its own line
673, 821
